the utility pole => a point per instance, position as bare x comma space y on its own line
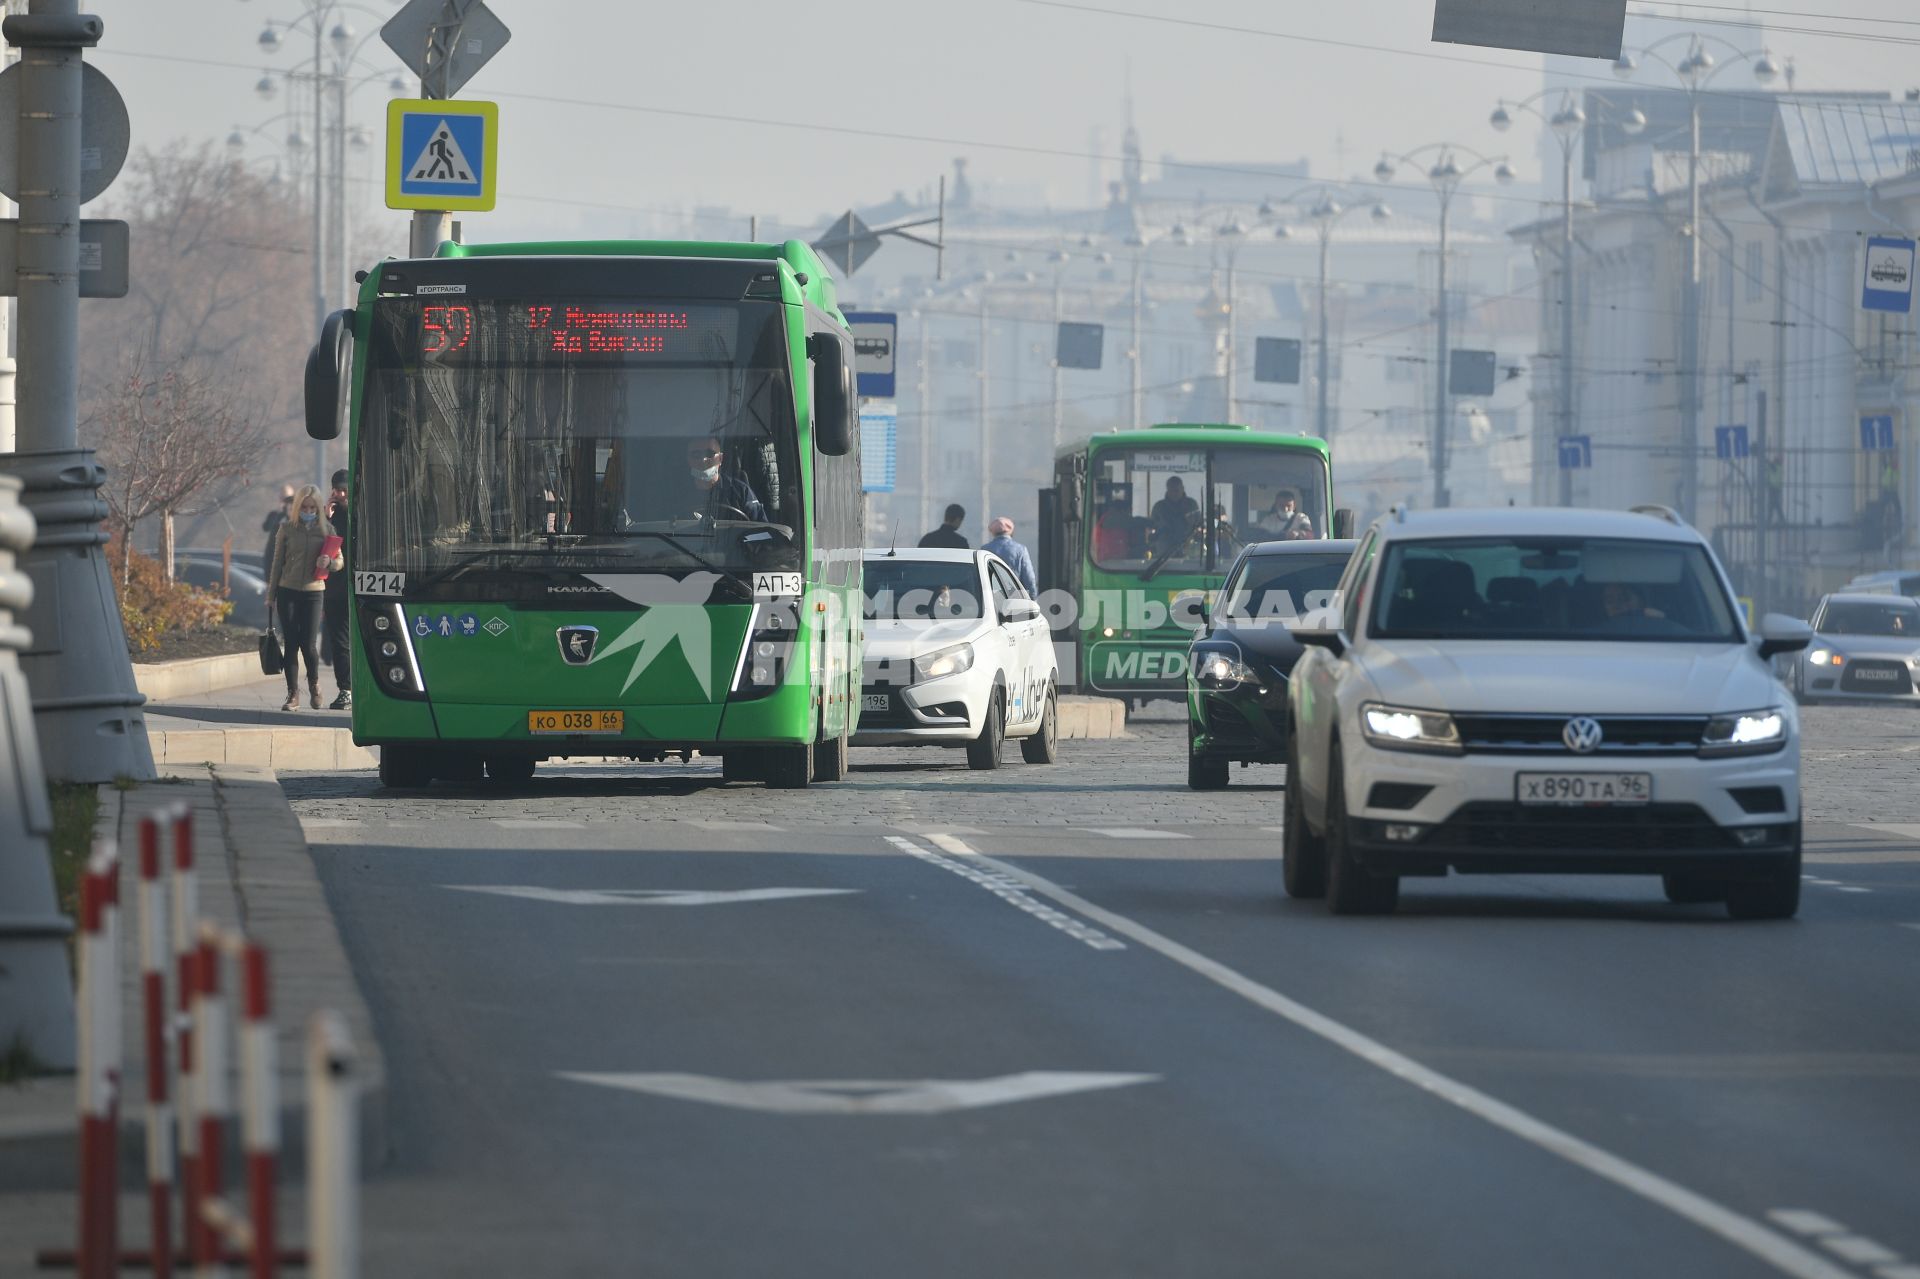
926, 428
319, 256
1690, 328
433, 226
1322, 421
1233, 331
1059, 419
86, 708
986, 416
7, 366
1138, 354
1565, 386
1440, 369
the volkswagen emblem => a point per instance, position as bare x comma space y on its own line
576, 644
1582, 735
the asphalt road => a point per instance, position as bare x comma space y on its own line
1062, 1022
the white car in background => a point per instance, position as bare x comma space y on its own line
1542, 691
957, 654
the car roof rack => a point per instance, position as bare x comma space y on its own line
1659, 512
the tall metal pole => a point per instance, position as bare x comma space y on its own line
1059, 411
319, 255
1233, 331
433, 226
86, 708
986, 419
7, 366
1139, 353
1322, 420
926, 427
1690, 335
1566, 316
1440, 497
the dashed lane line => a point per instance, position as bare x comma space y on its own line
1009, 890
1133, 832
537, 823
1844, 1243
1755, 1237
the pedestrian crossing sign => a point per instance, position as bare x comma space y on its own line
441, 154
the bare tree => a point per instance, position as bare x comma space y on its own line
173, 442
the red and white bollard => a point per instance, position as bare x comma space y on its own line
186, 931
260, 1105
154, 1014
333, 1150
211, 1101
100, 1065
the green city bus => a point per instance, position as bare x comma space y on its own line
605, 501
1140, 528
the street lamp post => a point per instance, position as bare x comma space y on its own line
1566, 124
1446, 175
1326, 212
1142, 260
1694, 72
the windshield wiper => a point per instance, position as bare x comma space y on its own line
473, 559
675, 543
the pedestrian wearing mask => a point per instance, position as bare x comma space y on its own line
296, 586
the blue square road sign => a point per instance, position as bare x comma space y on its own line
441, 154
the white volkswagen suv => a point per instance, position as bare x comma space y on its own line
1537, 691
957, 654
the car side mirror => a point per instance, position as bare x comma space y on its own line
834, 403
1330, 638
1019, 610
1782, 634
1343, 522
329, 374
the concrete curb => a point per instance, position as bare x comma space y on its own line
164, 681
1086, 718
277, 749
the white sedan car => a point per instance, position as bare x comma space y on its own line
957, 655
1542, 691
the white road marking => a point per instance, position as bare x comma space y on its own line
863, 1096
1008, 890
1859, 1250
1133, 832
1896, 1272
1803, 1221
726, 825
1770, 1246
328, 823
1905, 830
537, 823
1850, 888
1275, 830
646, 896
1910, 926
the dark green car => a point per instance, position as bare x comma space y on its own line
1238, 664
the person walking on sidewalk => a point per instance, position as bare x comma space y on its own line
271, 525
338, 638
296, 584
1001, 543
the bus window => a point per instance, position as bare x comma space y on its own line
1147, 510
1271, 496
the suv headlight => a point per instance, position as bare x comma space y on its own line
1825, 657
1745, 733
944, 661
1399, 728
1222, 671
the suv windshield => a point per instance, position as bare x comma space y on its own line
517, 433
1148, 513
900, 590
1282, 586
1862, 617
1554, 588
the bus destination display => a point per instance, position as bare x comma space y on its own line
449, 332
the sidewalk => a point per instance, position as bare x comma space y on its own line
254, 874
245, 725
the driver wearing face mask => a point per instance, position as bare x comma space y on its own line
713, 492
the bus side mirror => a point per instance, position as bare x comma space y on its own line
1343, 522
834, 404
329, 369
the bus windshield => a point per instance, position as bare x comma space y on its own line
654, 434
1186, 509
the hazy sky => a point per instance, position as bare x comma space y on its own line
981, 78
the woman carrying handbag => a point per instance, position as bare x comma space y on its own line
305, 552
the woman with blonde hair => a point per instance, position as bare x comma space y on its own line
296, 584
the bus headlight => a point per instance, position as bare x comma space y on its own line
940, 663
389, 648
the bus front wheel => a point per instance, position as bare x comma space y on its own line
789, 767
409, 766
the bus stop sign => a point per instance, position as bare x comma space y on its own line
876, 336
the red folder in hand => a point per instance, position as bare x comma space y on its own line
328, 548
